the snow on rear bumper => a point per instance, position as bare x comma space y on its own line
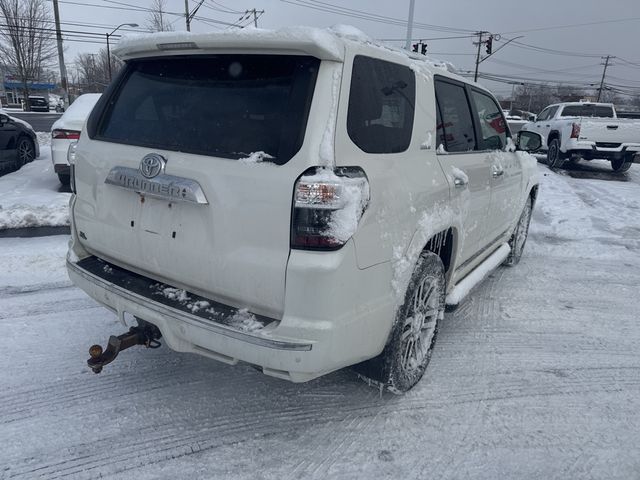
316, 336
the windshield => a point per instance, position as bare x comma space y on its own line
587, 110
224, 105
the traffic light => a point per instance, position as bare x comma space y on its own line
423, 49
489, 45
415, 47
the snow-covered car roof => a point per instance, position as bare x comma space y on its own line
77, 113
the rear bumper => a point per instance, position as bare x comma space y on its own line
59, 149
592, 150
316, 335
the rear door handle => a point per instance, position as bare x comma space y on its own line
460, 182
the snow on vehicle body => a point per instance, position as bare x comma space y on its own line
66, 130
587, 131
290, 237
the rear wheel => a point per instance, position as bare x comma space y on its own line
26, 151
555, 158
519, 237
622, 164
405, 357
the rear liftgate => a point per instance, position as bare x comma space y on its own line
144, 334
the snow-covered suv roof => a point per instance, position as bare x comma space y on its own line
325, 44
319, 43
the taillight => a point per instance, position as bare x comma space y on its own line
327, 206
71, 158
575, 130
65, 134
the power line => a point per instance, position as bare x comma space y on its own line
360, 14
574, 25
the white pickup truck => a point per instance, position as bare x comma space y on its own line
581, 130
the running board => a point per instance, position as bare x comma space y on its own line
462, 289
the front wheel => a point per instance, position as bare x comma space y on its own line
555, 158
621, 165
26, 151
519, 237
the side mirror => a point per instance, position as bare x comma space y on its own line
528, 141
533, 118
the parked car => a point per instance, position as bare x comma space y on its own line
18, 142
37, 104
582, 130
66, 130
300, 212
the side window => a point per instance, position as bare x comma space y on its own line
543, 115
493, 128
381, 105
552, 113
456, 122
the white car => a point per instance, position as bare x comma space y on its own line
585, 130
301, 200
66, 130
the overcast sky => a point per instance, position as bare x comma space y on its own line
578, 59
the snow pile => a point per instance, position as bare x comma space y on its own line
256, 157
350, 32
29, 197
245, 321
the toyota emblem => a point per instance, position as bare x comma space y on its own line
152, 165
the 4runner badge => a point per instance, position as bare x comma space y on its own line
152, 165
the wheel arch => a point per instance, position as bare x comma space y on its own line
444, 244
553, 134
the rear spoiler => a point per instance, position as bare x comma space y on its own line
316, 42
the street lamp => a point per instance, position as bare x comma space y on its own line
108, 35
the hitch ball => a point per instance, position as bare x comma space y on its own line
95, 351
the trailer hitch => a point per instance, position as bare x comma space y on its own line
145, 334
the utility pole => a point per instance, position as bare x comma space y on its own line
412, 4
186, 15
479, 43
63, 68
604, 73
255, 13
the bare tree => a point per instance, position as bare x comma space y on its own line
26, 40
93, 70
157, 19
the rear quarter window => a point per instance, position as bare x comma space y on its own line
381, 105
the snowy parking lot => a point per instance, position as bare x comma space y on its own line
536, 375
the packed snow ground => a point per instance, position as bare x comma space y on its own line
31, 196
536, 375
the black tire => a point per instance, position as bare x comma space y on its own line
620, 165
408, 350
555, 158
520, 234
26, 151
64, 178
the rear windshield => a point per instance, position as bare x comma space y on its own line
37, 101
587, 111
224, 105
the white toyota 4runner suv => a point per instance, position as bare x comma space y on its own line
301, 200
